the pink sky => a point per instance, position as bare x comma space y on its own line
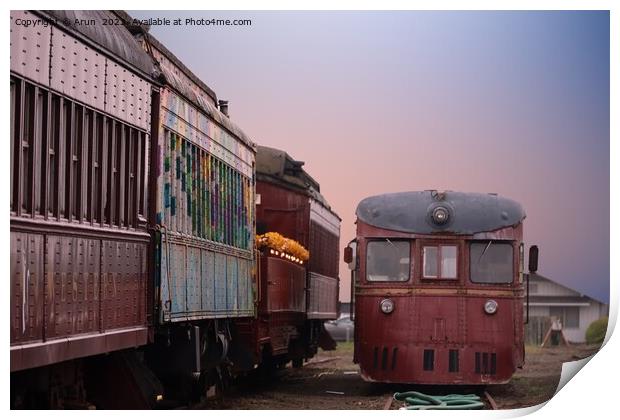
515, 103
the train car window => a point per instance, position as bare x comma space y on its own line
388, 260
491, 262
439, 262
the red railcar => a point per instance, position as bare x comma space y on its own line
295, 297
438, 288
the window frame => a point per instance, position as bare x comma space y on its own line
512, 265
409, 242
439, 246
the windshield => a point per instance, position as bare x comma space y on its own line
387, 260
491, 262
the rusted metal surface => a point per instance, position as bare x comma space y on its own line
292, 213
284, 211
291, 204
204, 282
285, 285
438, 332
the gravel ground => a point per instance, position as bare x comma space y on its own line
331, 381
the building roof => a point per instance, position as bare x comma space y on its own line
411, 211
575, 298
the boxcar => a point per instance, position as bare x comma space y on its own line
295, 296
80, 126
438, 288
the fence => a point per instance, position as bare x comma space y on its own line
536, 329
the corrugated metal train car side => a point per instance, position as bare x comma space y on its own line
80, 128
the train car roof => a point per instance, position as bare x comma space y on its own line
144, 29
278, 167
412, 211
115, 39
184, 89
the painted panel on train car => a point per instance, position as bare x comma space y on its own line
208, 280
205, 202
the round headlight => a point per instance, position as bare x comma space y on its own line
490, 307
387, 306
440, 215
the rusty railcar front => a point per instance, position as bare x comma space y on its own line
438, 286
79, 133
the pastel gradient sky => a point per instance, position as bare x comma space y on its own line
515, 103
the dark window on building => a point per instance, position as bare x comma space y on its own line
568, 315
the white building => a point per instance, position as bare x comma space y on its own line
576, 310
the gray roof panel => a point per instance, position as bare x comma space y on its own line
411, 212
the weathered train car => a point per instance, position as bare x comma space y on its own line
438, 288
80, 101
203, 210
293, 305
291, 203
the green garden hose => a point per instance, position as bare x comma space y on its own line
419, 401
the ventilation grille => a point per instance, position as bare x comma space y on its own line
486, 363
429, 359
386, 363
453, 361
